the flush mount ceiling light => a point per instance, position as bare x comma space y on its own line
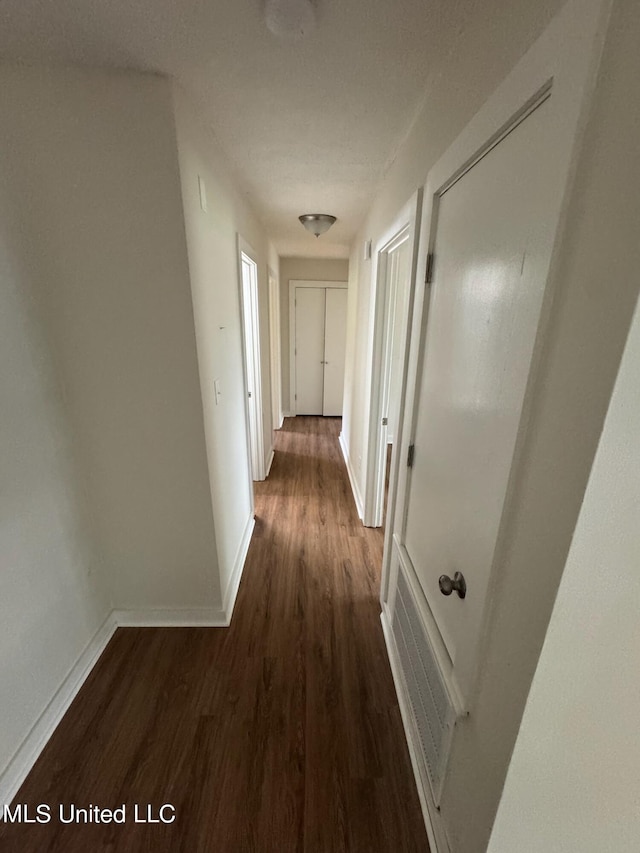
290, 19
317, 223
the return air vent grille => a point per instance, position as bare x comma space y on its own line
432, 711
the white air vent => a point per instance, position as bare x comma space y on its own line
432, 711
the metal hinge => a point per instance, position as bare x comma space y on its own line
385, 421
410, 455
429, 276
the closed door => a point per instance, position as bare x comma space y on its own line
309, 352
319, 340
493, 241
335, 340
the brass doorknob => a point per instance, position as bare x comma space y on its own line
458, 584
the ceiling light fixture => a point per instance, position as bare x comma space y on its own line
317, 223
290, 19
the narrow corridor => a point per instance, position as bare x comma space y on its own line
281, 733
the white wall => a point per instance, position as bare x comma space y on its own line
596, 285
572, 785
91, 167
105, 497
51, 602
213, 264
304, 269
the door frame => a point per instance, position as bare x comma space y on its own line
276, 349
250, 315
406, 227
293, 284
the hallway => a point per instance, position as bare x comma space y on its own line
281, 733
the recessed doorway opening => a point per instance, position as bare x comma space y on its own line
395, 277
251, 350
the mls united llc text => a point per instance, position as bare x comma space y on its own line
44, 813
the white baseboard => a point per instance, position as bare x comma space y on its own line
269, 463
14, 774
171, 617
280, 420
288, 414
231, 591
432, 821
354, 485
193, 617
29, 750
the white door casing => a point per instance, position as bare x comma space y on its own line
317, 328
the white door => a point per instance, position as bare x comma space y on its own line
318, 321
397, 284
335, 340
309, 350
493, 239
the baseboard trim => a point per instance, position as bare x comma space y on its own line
20, 765
13, 776
354, 486
177, 617
432, 821
269, 463
231, 592
288, 415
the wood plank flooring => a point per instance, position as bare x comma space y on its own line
281, 733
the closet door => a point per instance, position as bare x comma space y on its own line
335, 337
309, 350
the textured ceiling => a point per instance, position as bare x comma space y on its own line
307, 126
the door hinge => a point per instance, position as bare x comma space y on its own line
385, 421
410, 455
430, 261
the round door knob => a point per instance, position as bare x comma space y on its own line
458, 584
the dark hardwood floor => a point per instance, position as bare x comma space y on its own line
280, 733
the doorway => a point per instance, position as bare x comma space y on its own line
251, 350
274, 339
394, 276
318, 328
